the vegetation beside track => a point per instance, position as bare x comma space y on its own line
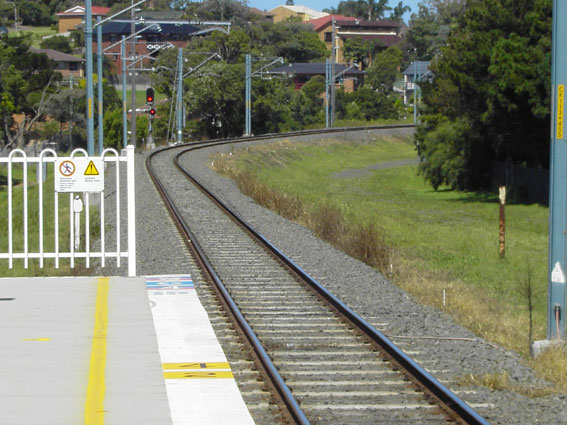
429, 242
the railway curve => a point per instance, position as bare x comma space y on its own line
325, 362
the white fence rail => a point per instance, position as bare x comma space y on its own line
85, 192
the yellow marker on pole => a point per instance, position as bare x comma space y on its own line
560, 107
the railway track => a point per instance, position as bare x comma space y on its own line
324, 363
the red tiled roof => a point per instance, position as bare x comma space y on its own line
326, 20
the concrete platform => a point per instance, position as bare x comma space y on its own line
111, 351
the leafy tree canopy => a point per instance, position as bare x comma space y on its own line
490, 96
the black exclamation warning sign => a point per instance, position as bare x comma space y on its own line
91, 170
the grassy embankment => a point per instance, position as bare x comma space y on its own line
33, 224
37, 33
428, 242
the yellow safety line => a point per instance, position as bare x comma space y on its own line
195, 365
94, 406
199, 375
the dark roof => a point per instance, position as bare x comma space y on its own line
420, 68
160, 14
317, 68
170, 29
57, 56
386, 40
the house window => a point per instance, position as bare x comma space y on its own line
328, 37
73, 66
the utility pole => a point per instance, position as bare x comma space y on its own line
333, 60
99, 85
180, 95
248, 99
124, 107
89, 76
133, 79
558, 190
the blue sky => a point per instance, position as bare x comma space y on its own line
322, 4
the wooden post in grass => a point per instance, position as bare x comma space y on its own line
502, 236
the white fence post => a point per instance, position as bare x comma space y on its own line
74, 175
131, 211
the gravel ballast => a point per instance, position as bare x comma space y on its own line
394, 312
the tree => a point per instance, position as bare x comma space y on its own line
399, 11
33, 13
59, 43
489, 100
217, 98
294, 41
368, 9
385, 69
27, 81
430, 27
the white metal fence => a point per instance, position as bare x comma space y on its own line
80, 176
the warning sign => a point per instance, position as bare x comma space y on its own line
91, 169
79, 174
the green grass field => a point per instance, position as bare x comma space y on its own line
442, 240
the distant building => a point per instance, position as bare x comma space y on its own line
386, 33
64, 63
71, 18
281, 13
268, 16
415, 72
301, 73
165, 35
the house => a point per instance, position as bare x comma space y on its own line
262, 14
350, 78
157, 36
64, 63
387, 33
281, 13
71, 18
415, 72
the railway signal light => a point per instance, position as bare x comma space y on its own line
150, 96
152, 112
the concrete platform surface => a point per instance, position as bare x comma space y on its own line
85, 350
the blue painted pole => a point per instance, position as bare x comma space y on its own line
124, 107
89, 72
558, 177
415, 92
180, 95
99, 73
327, 87
248, 100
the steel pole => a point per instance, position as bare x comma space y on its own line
89, 72
99, 73
333, 61
414, 92
248, 100
180, 95
124, 107
558, 177
133, 80
327, 85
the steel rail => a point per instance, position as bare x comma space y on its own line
270, 369
424, 378
440, 391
